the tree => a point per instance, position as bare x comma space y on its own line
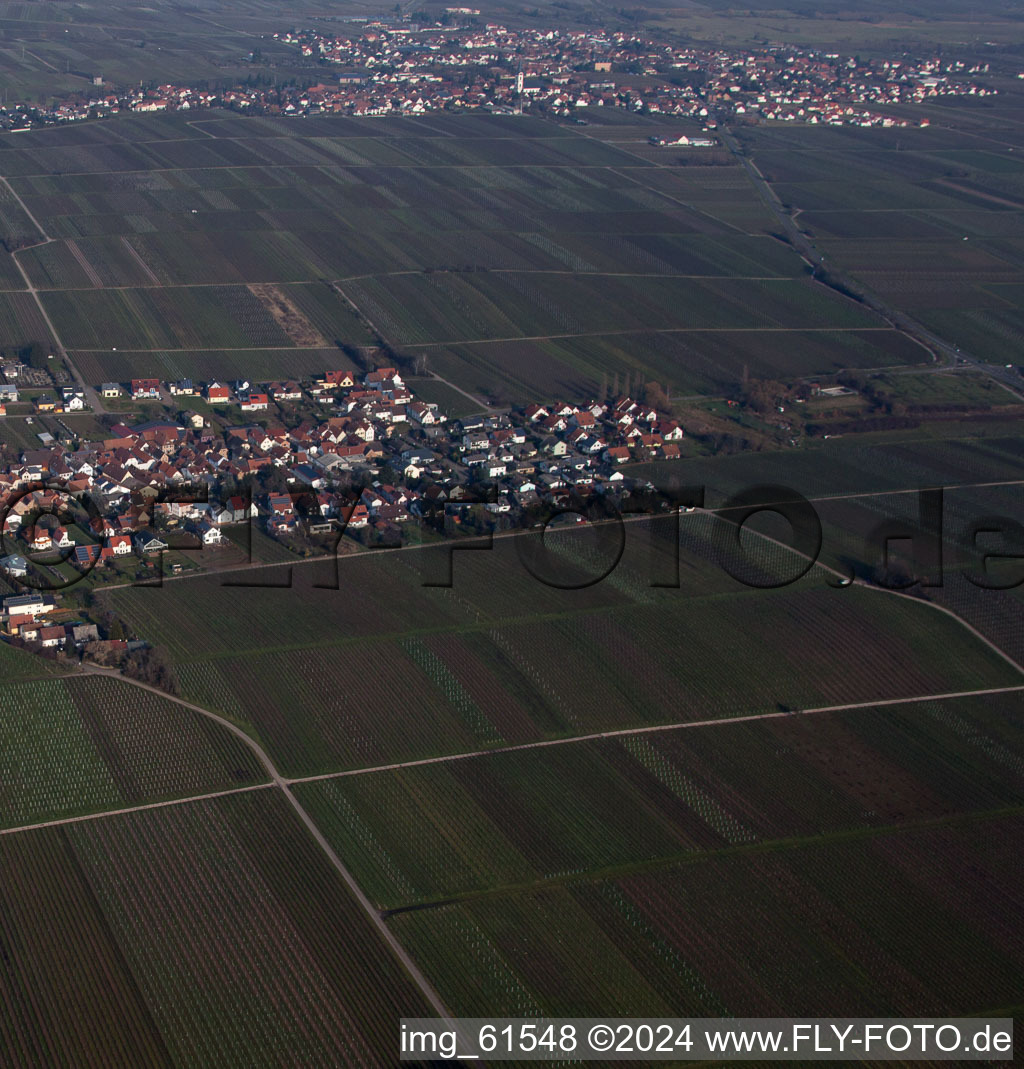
152, 665
656, 397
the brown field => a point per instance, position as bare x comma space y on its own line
287, 315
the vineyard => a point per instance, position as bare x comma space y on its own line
583, 246
181, 936
947, 249
619, 798
78, 745
504, 820
876, 925
387, 669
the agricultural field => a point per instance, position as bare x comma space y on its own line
180, 936
929, 219
453, 403
633, 873
592, 254
80, 744
532, 815
940, 390
879, 924
502, 658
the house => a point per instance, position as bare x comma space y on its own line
669, 431
253, 402
111, 389
241, 509
182, 388
285, 391
382, 376
358, 516
28, 605
120, 544
83, 633
209, 534
8, 394
15, 566
281, 524
52, 636
45, 403
149, 542
88, 554
422, 414
217, 394
145, 389
280, 505
39, 539
583, 420
342, 379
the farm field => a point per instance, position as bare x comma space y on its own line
82, 744
180, 936
502, 658
839, 839
876, 925
859, 465
930, 219
466, 827
605, 259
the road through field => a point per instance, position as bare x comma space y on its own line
92, 396
424, 985
1008, 379
681, 725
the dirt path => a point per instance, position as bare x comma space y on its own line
92, 396
278, 781
288, 316
137, 257
681, 725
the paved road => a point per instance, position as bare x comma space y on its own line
1006, 377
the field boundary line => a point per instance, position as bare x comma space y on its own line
25, 208
403, 957
100, 814
649, 729
699, 857
864, 585
363, 554
94, 398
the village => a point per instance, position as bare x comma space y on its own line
378, 460
398, 66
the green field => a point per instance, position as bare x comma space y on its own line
475, 666
181, 936
874, 925
929, 219
507, 820
590, 248
74, 745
